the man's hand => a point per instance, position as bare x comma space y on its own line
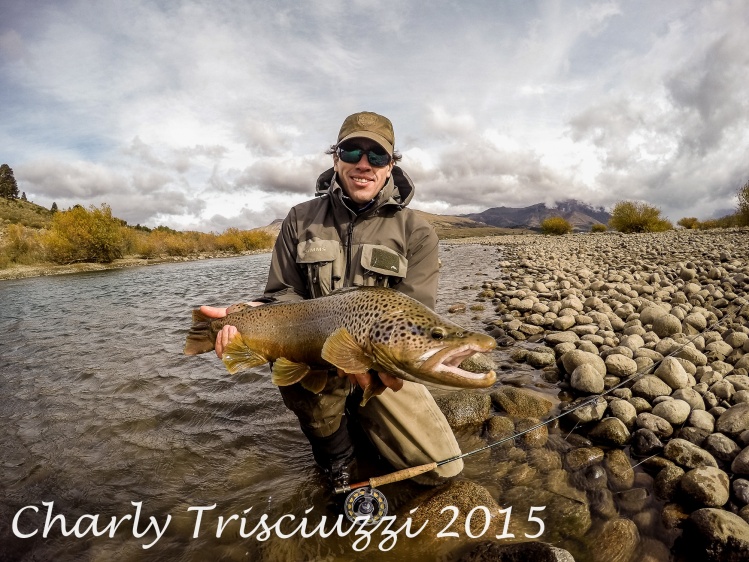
365, 379
227, 333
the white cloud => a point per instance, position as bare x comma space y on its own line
204, 113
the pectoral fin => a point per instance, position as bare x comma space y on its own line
342, 350
239, 357
315, 381
287, 372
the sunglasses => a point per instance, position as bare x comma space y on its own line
352, 155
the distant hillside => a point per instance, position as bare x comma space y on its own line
24, 213
580, 215
448, 226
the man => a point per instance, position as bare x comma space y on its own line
358, 231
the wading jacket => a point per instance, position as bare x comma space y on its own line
324, 245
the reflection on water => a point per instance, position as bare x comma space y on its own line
100, 410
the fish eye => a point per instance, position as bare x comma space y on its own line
438, 333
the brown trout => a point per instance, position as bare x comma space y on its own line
354, 329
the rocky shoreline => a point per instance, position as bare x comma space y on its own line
646, 337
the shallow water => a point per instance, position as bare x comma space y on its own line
101, 413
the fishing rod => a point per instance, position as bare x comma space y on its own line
365, 500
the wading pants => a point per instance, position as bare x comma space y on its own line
407, 426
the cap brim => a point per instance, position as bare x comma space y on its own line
379, 139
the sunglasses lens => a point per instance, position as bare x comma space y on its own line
378, 160
350, 156
353, 155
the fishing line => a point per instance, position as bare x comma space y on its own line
373, 502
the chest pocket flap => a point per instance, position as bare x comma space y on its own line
323, 261
383, 261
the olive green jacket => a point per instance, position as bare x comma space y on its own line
323, 245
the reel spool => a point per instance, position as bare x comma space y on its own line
366, 502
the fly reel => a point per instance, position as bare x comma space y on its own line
365, 502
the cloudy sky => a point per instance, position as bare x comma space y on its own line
216, 113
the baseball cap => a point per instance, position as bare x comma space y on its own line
368, 125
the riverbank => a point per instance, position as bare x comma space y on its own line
646, 337
44, 269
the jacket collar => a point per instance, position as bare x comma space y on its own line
398, 190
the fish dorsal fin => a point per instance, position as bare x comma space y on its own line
287, 372
342, 350
315, 381
239, 357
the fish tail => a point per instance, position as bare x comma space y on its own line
200, 339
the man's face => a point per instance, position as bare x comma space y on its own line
361, 181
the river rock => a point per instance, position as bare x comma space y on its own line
706, 486
656, 424
702, 419
556, 338
740, 464
620, 473
650, 387
500, 427
624, 411
585, 410
540, 359
620, 365
650, 313
479, 363
611, 431
666, 325
520, 402
465, 407
674, 412
723, 448
586, 378
740, 489
688, 455
734, 421
691, 397
573, 359
672, 373
717, 535
492, 551
531, 438
667, 482
582, 458
617, 541
645, 442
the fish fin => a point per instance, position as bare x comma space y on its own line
239, 357
287, 372
199, 340
315, 381
375, 388
342, 350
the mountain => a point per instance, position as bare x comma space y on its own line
580, 215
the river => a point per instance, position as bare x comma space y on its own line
103, 417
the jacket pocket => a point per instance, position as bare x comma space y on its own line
323, 261
381, 266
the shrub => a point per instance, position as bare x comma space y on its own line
598, 227
555, 225
21, 245
635, 216
742, 211
85, 235
689, 223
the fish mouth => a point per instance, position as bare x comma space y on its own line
442, 366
